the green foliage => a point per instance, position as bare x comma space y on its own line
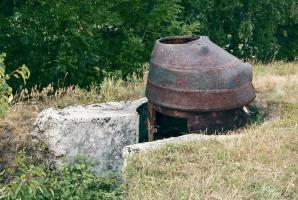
248, 29
76, 181
287, 33
6, 95
75, 43
79, 42
257, 114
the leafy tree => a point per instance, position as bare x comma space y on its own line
246, 28
287, 34
80, 42
77, 42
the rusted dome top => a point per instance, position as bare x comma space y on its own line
191, 73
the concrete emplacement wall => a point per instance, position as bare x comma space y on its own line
107, 133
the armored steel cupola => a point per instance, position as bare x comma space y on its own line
190, 75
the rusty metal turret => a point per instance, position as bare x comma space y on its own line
191, 77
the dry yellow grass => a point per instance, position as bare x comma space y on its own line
111, 89
262, 164
14, 137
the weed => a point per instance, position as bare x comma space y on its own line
76, 181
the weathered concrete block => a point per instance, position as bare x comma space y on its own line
98, 131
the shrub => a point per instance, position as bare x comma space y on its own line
248, 29
6, 95
78, 43
76, 181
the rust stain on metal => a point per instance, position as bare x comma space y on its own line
191, 77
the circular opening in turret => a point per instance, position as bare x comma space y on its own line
178, 40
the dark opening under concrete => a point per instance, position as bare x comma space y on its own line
167, 126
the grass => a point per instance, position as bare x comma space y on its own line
260, 165
263, 164
111, 89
